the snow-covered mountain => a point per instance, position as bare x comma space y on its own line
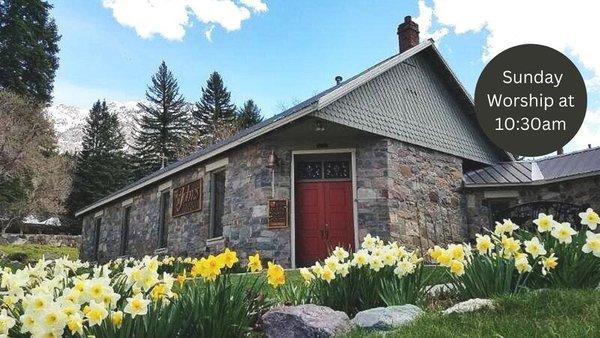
70, 120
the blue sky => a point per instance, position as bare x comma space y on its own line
275, 52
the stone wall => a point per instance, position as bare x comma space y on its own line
44, 239
580, 191
425, 201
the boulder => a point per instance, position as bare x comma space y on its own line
438, 290
306, 320
470, 305
387, 318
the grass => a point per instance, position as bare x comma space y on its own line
551, 313
25, 253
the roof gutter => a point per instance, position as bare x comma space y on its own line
283, 121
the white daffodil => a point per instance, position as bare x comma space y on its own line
534, 247
592, 243
137, 306
545, 222
590, 218
563, 232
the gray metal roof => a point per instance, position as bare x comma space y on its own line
550, 169
466, 136
413, 102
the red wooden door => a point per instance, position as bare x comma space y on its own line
323, 219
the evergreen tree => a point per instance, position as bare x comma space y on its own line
215, 112
164, 124
28, 48
102, 166
248, 115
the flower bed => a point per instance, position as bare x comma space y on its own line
185, 297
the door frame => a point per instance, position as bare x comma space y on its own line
352, 153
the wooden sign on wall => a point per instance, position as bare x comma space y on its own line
278, 214
187, 198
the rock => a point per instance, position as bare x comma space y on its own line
438, 290
470, 306
387, 318
306, 320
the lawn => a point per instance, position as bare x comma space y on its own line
25, 253
556, 313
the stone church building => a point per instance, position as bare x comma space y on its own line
394, 151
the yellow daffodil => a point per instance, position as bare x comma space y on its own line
75, 324
306, 275
563, 233
456, 251
548, 263
343, 269
590, 218
181, 278
457, 267
506, 227
435, 252
360, 258
229, 258
534, 247
445, 259
522, 264
545, 222
254, 264
317, 269
592, 243
116, 318
275, 275
510, 246
96, 312
483, 244
328, 275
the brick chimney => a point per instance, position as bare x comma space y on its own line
408, 34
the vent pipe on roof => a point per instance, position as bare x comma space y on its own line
560, 151
408, 34
589, 146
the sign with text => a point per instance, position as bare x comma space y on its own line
278, 214
187, 198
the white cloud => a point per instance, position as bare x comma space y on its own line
589, 132
170, 18
255, 5
208, 33
425, 22
569, 27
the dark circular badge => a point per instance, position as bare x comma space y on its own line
530, 100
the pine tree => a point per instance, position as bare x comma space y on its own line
248, 115
28, 48
102, 166
164, 124
215, 113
